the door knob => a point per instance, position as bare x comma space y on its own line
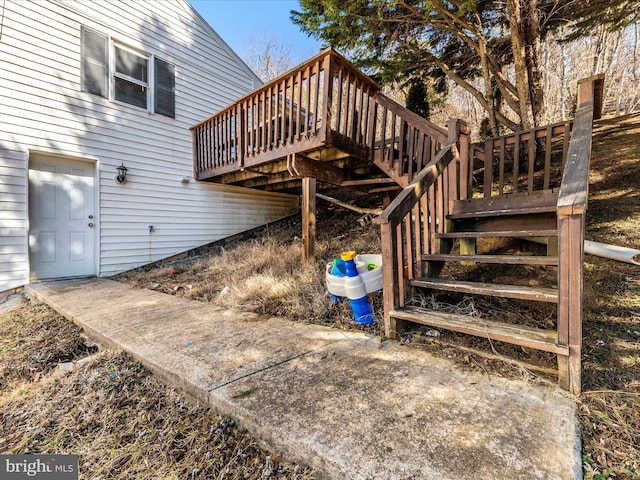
91, 224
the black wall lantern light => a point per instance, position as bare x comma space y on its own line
122, 174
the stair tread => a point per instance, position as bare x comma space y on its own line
541, 294
500, 233
497, 213
505, 259
523, 335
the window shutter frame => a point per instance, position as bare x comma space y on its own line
98, 85
164, 79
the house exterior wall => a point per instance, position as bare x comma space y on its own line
44, 112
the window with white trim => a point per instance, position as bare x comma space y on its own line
130, 77
136, 78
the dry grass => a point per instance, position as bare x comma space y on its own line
264, 274
112, 412
32, 340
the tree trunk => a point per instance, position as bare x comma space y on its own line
563, 83
488, 87
525, 44
533, 50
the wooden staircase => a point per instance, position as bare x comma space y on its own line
530, 185
526, 218
325, 124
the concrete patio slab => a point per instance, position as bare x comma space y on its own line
350, 405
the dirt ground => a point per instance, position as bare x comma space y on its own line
120, 420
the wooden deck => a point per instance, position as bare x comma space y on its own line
325, 124
323, 119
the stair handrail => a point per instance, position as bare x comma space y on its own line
571, 212
410, 195
395, 252
574, 190
425, 126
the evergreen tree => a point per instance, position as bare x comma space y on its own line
464, 40
417, 100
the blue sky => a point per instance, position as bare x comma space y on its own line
236, 21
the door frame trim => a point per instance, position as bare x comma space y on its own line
95, 162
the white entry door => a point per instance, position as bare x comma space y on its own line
61, 217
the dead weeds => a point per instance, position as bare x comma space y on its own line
264, 274
610, 405
32, 343
120, 420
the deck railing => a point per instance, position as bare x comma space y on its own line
523, 162
410, 223
323, 102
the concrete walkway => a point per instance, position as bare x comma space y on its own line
345, 403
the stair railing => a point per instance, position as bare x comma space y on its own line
571, 212
410, 223
402, 143
525, 162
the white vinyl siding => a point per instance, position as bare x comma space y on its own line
44, 110
14, 259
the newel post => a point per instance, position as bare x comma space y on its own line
591, 90
572, 206
458, 133
390, 271
570, 270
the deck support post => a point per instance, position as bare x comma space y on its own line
308, 219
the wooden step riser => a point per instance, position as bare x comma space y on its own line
497, 259
500, 234
542, 221
537, 294
545, 340
504, 205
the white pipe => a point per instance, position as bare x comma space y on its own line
604, 250
613, 252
